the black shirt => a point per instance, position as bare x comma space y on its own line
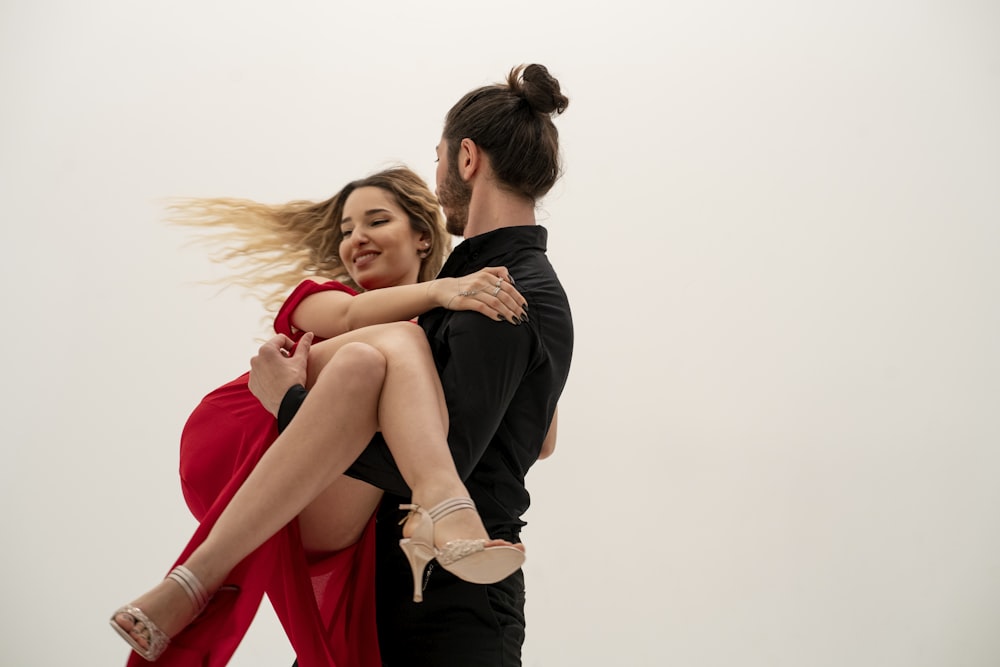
501, 382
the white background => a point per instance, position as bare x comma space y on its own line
779, 226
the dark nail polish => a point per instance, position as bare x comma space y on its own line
524, 318
525, 305
500, 317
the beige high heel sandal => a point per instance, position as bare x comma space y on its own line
470, 560
157, 640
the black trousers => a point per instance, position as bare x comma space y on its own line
458, 624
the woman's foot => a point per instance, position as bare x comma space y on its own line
454, 525
463, 547
148, 623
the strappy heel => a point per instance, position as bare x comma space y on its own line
470, 560
157, 640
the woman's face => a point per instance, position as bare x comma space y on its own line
379, 248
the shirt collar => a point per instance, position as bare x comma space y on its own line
480, 249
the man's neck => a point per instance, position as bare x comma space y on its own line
491, 208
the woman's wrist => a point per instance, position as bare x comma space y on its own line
438, 291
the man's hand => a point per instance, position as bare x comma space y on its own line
275, 369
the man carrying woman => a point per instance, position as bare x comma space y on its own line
498, 155
501, 383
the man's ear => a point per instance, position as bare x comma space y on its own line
470, 159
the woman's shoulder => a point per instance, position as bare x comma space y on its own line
305, 289
313, 285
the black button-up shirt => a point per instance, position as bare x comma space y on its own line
502, 382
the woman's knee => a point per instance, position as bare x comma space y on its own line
358, 364
405, 339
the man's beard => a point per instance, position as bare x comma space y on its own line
454, 195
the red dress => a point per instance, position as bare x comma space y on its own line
327, 608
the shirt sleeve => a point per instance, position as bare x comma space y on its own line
290, 404
481, 363
283, 320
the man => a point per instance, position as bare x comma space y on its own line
498, 155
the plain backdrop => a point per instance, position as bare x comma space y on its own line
779, 227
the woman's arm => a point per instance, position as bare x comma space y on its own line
329, 314
549, 444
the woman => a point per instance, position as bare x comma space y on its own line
284, 519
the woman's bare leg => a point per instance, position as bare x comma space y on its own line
294, 471
416, 438
385, 372
336, 519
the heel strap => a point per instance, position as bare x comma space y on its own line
444, 508
439, 511
411, 510
195, 591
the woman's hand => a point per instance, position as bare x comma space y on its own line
490, 292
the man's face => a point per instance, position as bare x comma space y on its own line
453, 193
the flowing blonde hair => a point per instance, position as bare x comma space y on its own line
275, 247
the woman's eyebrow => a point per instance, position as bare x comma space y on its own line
371, 211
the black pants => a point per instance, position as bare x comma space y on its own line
458, 624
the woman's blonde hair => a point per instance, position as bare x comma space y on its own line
275, 247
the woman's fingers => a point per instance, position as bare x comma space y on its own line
504, 300
498, 279
501, 306
490, 292
508, 301
500, 272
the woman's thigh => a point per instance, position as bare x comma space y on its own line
336, 518
390, 339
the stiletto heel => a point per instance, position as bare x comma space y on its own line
470, 560
419, 556
157, 640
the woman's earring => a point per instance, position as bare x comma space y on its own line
426, 251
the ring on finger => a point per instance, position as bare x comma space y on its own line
497, 290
